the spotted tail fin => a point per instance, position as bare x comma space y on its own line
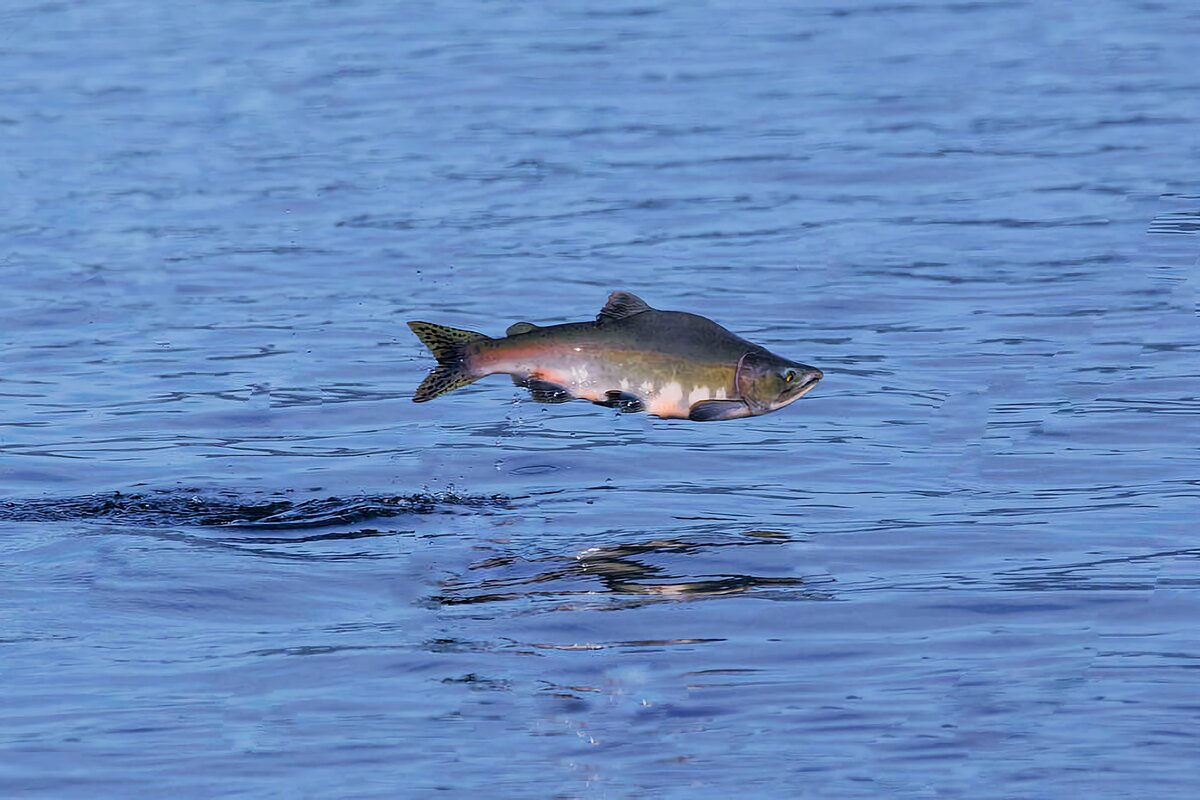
448, 346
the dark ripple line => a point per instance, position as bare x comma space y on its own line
1186, 223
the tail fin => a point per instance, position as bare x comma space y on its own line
447, 345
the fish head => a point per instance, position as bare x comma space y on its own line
767, 382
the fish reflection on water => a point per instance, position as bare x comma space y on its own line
628, 570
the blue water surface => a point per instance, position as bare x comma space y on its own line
237, 561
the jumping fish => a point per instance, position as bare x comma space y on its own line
632, 357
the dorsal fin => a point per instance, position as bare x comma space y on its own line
621, 305
520, 327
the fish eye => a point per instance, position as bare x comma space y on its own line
789, 376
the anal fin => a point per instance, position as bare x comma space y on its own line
714, 410
622, 401
544, 391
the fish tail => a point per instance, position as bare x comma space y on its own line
448, 346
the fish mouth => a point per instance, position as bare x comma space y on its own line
807, 387
809, 379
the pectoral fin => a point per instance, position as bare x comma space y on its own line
713, 410
622, 401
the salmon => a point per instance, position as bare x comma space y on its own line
632, 357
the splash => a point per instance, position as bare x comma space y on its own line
166, 507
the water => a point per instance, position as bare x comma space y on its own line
237, 561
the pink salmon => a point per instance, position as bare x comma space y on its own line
632, 357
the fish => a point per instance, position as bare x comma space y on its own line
669, 364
